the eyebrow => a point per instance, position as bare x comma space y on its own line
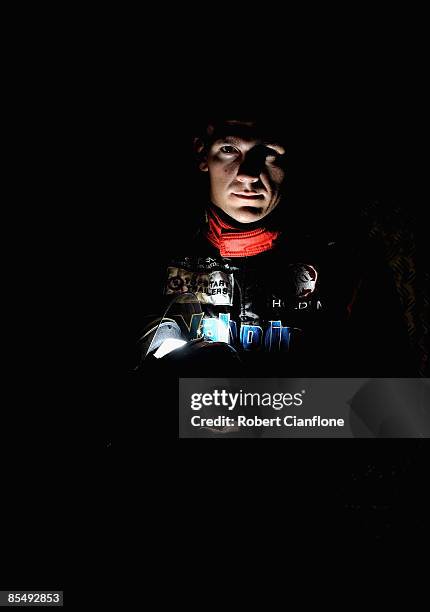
234, 140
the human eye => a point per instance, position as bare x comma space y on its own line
273, 156
229, 150
271, 153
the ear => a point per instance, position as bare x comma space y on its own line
201, 155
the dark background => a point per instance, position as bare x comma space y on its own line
356, 110
350, 144
105, 184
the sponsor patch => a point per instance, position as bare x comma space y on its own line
214, 287
304, 277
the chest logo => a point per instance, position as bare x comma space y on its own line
304, 278
215, 287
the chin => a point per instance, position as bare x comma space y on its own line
247, 214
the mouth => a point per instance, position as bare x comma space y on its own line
248, 196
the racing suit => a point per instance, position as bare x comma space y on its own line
306, 306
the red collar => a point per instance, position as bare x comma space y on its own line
232, 242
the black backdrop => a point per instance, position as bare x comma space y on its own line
114, 175
345, 150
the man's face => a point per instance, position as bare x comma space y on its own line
246, 170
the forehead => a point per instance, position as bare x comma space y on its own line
248, 131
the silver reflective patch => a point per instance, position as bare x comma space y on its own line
214, 287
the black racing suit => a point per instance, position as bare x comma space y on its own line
308, 307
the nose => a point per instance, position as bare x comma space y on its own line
249, 170
246, 177
247, 174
